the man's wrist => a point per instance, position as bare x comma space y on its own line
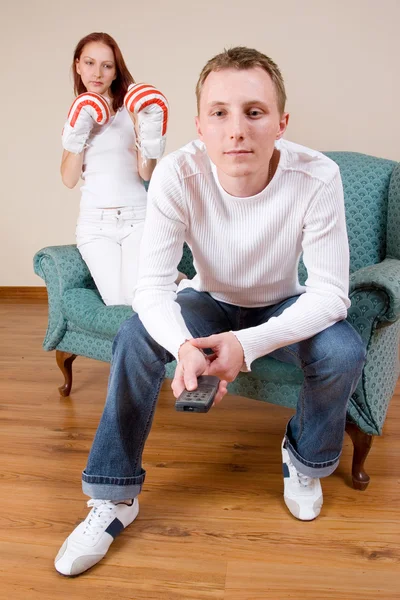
183, 349
245, 367
187, 347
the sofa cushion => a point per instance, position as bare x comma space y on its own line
86, 311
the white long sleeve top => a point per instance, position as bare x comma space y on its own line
246, 250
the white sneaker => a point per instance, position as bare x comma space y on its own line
91, 539
302, 494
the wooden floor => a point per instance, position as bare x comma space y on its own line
212, 522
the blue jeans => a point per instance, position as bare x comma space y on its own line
331, 361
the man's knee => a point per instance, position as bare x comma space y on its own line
343, 348
130, 333
130, 326
134, 341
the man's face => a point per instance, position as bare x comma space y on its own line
239, 120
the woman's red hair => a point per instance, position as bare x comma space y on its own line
120, 85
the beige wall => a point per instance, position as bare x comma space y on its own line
340, 60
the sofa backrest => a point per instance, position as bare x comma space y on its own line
393, 228
366, 188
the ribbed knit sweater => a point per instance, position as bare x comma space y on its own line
246, 250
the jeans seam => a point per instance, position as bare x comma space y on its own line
302, 411
302, 392
107, 480
145, 429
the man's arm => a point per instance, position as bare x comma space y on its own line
160, 253
155, 296
325, 301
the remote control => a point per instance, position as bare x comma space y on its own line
200, 399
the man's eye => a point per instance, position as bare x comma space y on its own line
218, 113
254, 113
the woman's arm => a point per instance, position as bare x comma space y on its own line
86, 110
147, 166
71, 168
149, 109
146, 170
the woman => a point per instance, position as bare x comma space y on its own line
101, 146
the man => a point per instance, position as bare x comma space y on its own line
248, 204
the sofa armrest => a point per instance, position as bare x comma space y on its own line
62, 268
385, 277
186, 263
66, 265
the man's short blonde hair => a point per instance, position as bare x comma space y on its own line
242, 58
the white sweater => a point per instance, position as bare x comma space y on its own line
246, 250
110, 169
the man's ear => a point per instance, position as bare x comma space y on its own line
283, 123
198, 129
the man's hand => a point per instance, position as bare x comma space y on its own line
193, 363
227, 358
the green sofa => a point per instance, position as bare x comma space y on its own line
80, 324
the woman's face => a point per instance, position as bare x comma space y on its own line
96, 66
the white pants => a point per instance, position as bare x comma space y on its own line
108, 240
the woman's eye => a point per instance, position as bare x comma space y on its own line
89, 62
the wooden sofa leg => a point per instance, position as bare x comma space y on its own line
362, 443
64, 361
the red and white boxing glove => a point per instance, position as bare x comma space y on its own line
150, 107
86, 110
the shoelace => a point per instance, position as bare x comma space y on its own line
99, 516
304, 480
